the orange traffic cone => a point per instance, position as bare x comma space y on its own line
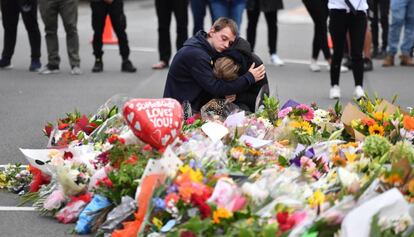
108, 34
330, 43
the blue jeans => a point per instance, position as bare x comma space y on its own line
402, 15
232, 9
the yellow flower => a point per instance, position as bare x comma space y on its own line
380, 116
304, 125
376, 129
350, 156
196, 175
185, 169
3, 180
316, 199
221, 213
157, 222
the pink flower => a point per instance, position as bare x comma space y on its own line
306, 162
308, 116
284, 112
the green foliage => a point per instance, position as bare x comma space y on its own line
270, 110
402, 150
376, 146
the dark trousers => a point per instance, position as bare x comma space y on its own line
198, 8
340, 23
319, 12
383, 8
10, 10
100, 10
164, 10
271, 20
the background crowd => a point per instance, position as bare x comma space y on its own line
386, 20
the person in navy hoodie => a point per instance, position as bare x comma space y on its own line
190, 77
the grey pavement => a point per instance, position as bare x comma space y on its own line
28, 100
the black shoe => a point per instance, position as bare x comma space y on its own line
35, 65
5, 64
380, 55
368, 66
348, 63
128, 67
98, 67
374, 53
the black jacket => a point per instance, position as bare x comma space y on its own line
191, 77
264, 5
242, 54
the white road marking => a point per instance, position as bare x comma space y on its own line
7, 208
22, 166
132, 48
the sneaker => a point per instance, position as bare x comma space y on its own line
128, 67
335, 92
35, 65
275, 60
368, 65
314, 67
49, 69
359, 92
76, 70
98, 66
5, 64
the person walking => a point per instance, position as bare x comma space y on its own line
198, 8
115, 10
10, 11
380, 11
347, 16
68, 10
402, 14
232, 9
164, 9
270, 8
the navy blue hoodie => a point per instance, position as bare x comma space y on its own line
191, 75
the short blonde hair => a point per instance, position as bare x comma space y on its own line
226, 69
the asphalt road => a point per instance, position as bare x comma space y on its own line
28, 100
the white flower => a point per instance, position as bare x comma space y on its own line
257, 194
347, 178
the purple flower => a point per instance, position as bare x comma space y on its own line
158, 203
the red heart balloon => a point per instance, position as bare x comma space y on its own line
155, 121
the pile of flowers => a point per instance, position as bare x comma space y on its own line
291, 170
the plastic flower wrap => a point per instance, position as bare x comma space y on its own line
74, 179
227, 195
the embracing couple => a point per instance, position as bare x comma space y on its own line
217, 64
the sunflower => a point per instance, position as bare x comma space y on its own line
376, 129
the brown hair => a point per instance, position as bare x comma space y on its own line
224, 22
226, 69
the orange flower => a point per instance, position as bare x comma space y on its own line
368, 121
394, 178
338, 161
411, 187
376, 129
408, 122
